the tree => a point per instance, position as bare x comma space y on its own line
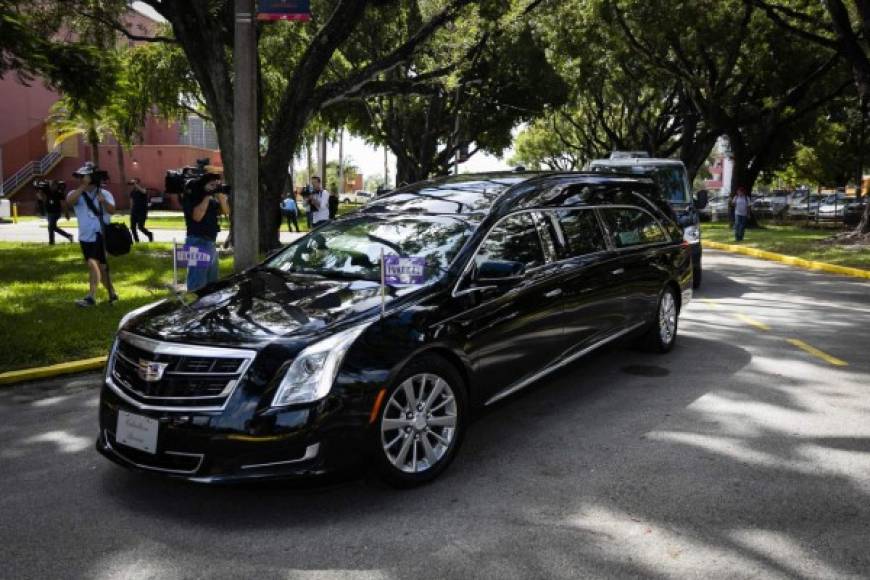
29, 47
847, 32
311, 73
475, 82
728, 57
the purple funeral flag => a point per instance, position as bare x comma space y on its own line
191, 257
399, 270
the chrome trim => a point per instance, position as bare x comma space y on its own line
231, 384
117, 452
140, 405
310, 453
170, 348
547, 370
173, 348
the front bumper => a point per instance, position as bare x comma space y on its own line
206, 447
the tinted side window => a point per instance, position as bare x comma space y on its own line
515, 239
632, 227
582, 232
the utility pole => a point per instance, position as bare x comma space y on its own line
245, 150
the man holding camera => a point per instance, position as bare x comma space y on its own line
93, 204
138, 210
318, 203
203, 203
52, 195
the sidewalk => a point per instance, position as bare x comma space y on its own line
35, 231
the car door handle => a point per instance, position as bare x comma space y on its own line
618, 271
553, 293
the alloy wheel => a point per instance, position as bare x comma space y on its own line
667, 317
419, 423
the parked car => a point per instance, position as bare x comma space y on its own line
306, 364
358, 196
854, 211
769, 206
673, 180
804, 206
831, 208
717, 208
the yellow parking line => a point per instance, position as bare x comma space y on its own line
709, 302
752, 322
817, 353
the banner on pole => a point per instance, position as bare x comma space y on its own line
191, 257
399, 270
299, 10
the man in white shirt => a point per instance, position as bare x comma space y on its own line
90, 202
318, 203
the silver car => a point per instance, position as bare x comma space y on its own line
831, 208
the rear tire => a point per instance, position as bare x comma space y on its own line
662, 334
421, 423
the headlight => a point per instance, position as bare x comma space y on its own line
310, 376
692, 234
137, 311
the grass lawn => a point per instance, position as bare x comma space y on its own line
40, 324
792, 241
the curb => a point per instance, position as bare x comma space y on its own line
67, 368
790, 260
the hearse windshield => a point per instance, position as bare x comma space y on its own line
351, 248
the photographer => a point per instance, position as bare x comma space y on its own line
318, 203
138, 210
203, 203
51, 194
90, 202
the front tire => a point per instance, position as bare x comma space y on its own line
662, 334
421, 422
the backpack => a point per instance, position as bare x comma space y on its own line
117, 237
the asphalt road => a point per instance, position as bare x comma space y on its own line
738, 455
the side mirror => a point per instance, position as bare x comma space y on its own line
499, 271
701, 199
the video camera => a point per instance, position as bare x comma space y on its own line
47, 186
178, 180
97, 175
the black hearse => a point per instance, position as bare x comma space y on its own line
308, 363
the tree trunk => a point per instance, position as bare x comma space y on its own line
94, 141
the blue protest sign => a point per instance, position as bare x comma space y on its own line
399, 270
191, 256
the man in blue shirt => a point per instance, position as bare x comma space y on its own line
90, 202
291, 211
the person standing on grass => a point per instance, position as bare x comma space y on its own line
202, 206
89, 203
333, 203
318, 201
139, 210
291, 211
53, 195
741, 213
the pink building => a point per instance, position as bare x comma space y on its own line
27, 149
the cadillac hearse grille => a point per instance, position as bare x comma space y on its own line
158, 374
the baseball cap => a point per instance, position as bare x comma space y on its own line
86, 169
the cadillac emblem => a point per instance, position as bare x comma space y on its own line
150, 371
